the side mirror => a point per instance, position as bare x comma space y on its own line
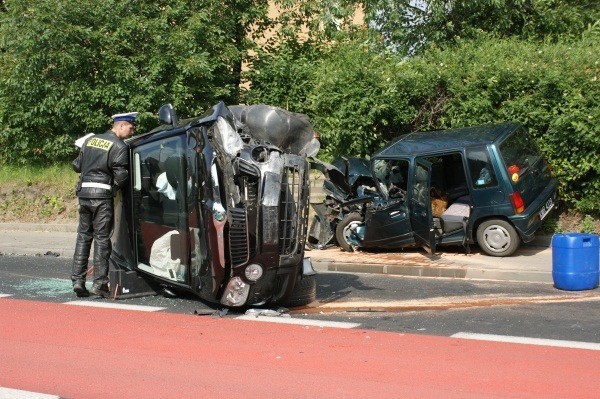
167, 115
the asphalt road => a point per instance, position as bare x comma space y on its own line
391, 303
367, 336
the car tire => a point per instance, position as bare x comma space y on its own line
497, 237
305, 292
343, 230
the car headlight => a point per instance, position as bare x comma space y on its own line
230, 139
236, 292
253, 272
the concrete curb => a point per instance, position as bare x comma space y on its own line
51, 227
469, 273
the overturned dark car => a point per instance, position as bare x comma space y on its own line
217, 205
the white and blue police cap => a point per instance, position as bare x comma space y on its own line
127, 117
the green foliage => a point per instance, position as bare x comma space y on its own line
66, 65
359, 97
588, 224
410, 27
283, 78
52, 205
281, 70
552, 89
354, 99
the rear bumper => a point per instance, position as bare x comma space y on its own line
529, 222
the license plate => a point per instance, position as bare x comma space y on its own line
546, 209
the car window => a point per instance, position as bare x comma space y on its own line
420, 185
480, 168
158, 167
519, 153
391, 176
165, 207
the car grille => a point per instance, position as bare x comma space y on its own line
293, 210
238, 237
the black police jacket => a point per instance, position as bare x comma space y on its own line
103, 164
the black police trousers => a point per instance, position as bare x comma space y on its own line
95, 224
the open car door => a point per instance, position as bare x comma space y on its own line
387, 222
421, 218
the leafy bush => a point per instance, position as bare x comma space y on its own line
282, 78
67, 65
552, 89
359, 98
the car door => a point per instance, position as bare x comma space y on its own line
387, 221
162, 236
387, 225
421, 218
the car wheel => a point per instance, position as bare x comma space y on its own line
305, 292
344, 230
497, 237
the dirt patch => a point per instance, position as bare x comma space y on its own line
37, 203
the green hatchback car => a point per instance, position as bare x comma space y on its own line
488, 185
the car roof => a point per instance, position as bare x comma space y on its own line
453, 139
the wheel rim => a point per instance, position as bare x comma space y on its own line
349, 230
496, 238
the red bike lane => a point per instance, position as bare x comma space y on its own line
85, 352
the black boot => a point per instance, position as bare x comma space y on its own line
80, 290
101, 291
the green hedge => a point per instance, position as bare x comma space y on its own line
359, 98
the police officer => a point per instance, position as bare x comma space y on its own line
103, 166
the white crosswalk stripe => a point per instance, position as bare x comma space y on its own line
528, 341
8, 393
301, 322
111, 305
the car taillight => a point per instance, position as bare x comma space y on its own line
517, 202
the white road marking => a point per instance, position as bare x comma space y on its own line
115, 306
7, 393
4, 295
301, 322
529, 341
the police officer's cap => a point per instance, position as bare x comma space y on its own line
127, 117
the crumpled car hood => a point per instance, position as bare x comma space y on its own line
290, 131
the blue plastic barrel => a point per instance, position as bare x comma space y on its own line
575, 261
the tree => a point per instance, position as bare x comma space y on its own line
282, 67
66, 65
409, 26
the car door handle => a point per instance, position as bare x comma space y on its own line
396, 213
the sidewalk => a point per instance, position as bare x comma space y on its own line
531, 263
37, 239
